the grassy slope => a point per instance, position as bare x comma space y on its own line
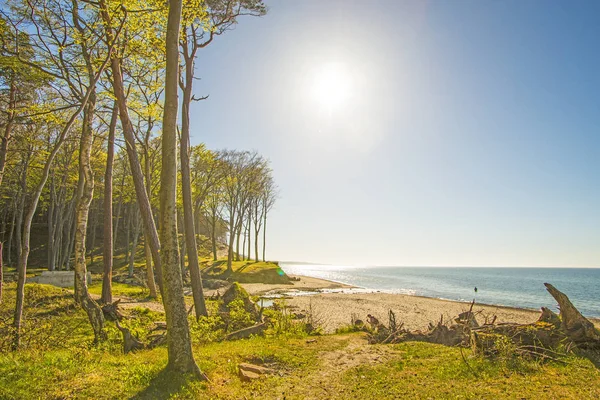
58, 362
245, 271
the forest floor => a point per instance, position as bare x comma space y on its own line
58, 361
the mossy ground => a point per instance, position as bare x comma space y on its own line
58, 361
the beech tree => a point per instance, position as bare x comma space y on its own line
181, 358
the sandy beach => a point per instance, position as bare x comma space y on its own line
336, 309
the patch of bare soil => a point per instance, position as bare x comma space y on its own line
356, 352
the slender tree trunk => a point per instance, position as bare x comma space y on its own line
128, 231
12, 92
214, 243
230, 249
92, 224
179, 345
249, 253
118, 216
85, 197
107, 258
21, 206
238, 230
150, 271
186, 185
1, 273
243, 228
11, 233
151, 283
135, 221
264, 235
51, 225
256, 232
72, 228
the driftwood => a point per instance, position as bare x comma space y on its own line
568, 331
247, 332
579, 329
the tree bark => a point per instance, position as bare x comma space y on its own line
51, 225
12, 94
108, 214
136, 234
179, 345
186, 185
86, 175
264, 235
1, 273
151, 283
21, 205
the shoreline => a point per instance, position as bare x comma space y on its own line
337, 308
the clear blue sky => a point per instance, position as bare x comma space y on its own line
468, 132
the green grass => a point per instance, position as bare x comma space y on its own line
245, 271
120, 289
58, 362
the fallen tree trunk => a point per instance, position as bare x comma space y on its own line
578, 328
247, 332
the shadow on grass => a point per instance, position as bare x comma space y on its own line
164, 385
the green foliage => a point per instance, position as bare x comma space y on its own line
238, 316
207, 329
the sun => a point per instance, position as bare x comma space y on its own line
332, 85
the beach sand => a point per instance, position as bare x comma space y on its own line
334, 310
305, 283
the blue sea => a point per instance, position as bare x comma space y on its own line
515, 287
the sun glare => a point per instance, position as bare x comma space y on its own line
332, 85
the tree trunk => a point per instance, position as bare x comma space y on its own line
71, 233
237, 243
51, 225
264, 235
230, 249
150, 231
256, 232
186, 185
21, 205
107, 242
149, 270
128, 231
118, 216
136, 234
11, 234
213, 238
150, 282
179, 344
85, 196
243, 227
12, 92
93, 231
1, 273
249, 253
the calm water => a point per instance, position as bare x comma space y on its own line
517, 287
